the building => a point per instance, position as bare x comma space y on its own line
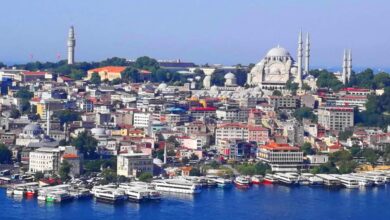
281, 157
336, 118
133, 164
142, 119
107, 73
273, 72
240, 131
289, 102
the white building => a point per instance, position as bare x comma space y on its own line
45, 160
142, 119
281, 157
134, 163
336, 118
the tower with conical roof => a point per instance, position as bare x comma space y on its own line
71, 46
300, 57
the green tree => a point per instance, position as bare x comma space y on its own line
66, 116
146, 63
109, 176
277, 93
15, 113
382, 80
195, 172
86, 144
38, 176
65, 170
95, 79
340, 156
304, 112
24, 93
328, 167
307, 149
131, 74
347, 167
355, 151
25, 106
292, 86
145, 177
5, 154
344, 135
306, 87
370, 155
329, 80
114, 61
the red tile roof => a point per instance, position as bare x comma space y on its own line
108, 69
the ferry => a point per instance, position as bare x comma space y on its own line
329, 180
363, 182
270, 179
58, 196
313, 180
109, 195
177, 186
153, 194
134, 193
378, 180
347, 181
221, 182
286, 178
257, 179
30, 192
19, 191
242, 181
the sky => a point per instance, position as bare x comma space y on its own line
201, 31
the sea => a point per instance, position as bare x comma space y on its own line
257, 202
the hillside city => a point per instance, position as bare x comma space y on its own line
145, 119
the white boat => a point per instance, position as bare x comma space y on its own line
109, 195
134, 193
242, 181
347, 181
378, 180
286, 178
221, 182
257, 179
153, 194
10, 191
270, 179
329, 180
19, 191
363, 182
176, 186
314, 180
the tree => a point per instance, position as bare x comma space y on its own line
344, 135
38, 176
292, 86
195, 172
329, 80
25, 106
14, 113
95, 79
145, 177
347, 167
381, 80
355, 151
86, 144
328, 167
114, 61
131, 74
109, 176
370, 155
194, 157
307, 149
24, 93
146, 63
306, 87
5, 154
65, 170
340, 156
277, 93
66, 116
304, 112
173, 141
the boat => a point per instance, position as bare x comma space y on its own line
176, 186
329, 180
257, 179
285, 178
363, 182
153, 194
10, 191
109, 196
376, 179
30, 192
134, 193
41, 197
347, 181
313, 180
270, 179
19, 191
242, 181
221, 182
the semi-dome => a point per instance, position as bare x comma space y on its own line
278, 52
32, 129
229, 75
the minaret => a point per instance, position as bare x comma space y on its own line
300, 57
349, 65
345, 71
307, 54
48, 120
71, 46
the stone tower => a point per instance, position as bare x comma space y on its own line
71, 46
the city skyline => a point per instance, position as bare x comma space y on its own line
228, 35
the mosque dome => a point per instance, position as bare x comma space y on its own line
229, 75
162, 86
214, 88
32, 129
278, 52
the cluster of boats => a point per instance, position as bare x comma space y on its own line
354, 180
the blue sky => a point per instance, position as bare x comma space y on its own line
212, 31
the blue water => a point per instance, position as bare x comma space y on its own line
258, 202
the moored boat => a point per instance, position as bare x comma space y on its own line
242, 181
257, 179
270, 179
